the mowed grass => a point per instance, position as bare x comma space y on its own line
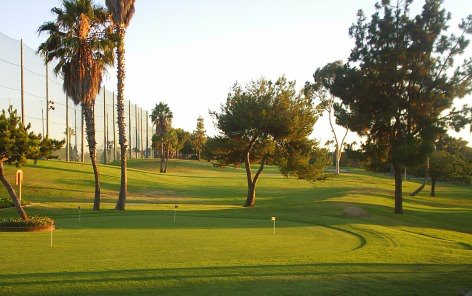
217, 247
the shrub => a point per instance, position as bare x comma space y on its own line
32, 222
7, 203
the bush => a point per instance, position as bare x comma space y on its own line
34, 221
7, 203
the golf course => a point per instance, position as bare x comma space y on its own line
186, 233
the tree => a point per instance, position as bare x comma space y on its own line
44, 148
199, 137
324, 79
456, 120
182, 138
169, 143
161, 116
401, 76
80, 40
121, 11
17, 144
442, 166
266, 122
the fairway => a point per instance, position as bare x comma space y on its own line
216, 247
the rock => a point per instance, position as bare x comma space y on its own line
355, 212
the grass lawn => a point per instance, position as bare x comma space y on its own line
217, 247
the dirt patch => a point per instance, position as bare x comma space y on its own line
355, 212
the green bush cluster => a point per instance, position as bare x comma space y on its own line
33, 221
7, 203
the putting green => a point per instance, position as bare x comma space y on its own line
154, 240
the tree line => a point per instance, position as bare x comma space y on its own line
397, 91
172, 142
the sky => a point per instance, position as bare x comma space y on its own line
189, 53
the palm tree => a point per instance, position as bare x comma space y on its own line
82, 45
161, 116
121, 11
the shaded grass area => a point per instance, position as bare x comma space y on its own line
218, 247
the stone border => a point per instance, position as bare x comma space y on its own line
29, 228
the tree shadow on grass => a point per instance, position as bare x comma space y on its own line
291, 279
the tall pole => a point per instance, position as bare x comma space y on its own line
67, 129
107, 133
42, 120
82, 158
22, 84
114, 131
147, 135
136, 127
130, 137
47, 101
75, 133
141, 138
104, 126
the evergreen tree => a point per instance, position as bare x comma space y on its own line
401, 76
199, 137
17, 144
267, 122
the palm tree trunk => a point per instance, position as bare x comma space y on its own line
12, 194
162, 157
90, 129
167, 160
120, 106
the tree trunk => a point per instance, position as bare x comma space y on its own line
433, 187
162, 157
11, 192
338, 159
166, 161
252, 182
398, 189
425, 180
251, 189
90, 129
251, 196
120, 106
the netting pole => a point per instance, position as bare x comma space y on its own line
114, 131
22, 84
130, 137
47, 101
42, 120
136, 128
107, 135
67, 129
141, 138
104, 126
147, 135
82, 158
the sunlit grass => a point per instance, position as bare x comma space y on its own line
216, 246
